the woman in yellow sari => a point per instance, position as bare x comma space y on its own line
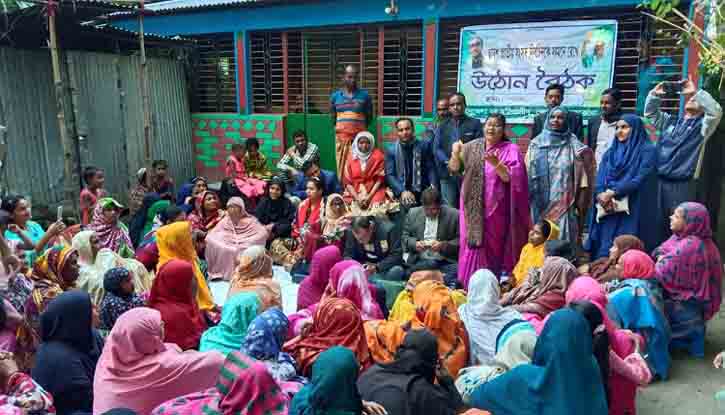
404, 309
532, 255
174, 242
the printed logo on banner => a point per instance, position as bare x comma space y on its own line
506, 68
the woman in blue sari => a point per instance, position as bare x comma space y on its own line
562, 379
561, 176
625, 175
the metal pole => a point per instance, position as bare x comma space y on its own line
70, 197
145, 101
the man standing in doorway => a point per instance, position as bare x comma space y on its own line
459, 127
351, 110
553, 97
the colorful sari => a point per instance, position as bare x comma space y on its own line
494, 215
352, 112
532, 257
435, 311
336, 322
244, 387
256, 167
227, 240
248, 185
111, 235
254, 274
604, 269
313, 287
690, 271
561, 178
202, 220
334, 225
306, 232
229, 334
174, 242
362, 172
403, 308
48, 282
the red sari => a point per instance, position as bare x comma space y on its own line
363, 180
307, 227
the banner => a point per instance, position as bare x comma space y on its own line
506, 68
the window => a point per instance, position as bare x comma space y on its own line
215, 75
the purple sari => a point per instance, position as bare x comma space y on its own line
494, 227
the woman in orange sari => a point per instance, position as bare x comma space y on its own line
437, 312
364, 179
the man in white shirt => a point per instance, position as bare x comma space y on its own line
602, 127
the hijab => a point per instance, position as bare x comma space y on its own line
247, 232
332, 389
275, 210
637, 264
172, 295
116, 302
112, 235
254, 273
237, 313
137, 370
348, 280
555, 276
357, 153
483, 316
174, 242
689, 264
624, 159
312, 287
335, 224
562, 379
265, 336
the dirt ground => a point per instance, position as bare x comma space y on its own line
693, 382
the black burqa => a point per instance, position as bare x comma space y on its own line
280, 212
66, 360
406, 385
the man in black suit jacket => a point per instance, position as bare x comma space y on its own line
430, 237
611, 106
554, 96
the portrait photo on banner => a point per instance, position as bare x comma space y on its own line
507, 67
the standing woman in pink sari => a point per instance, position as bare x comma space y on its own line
494, 207
236, 232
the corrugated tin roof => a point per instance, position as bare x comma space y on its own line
193, 4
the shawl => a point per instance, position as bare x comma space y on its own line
532, 256
243, 388
137, 370
483, 316
47, 278
336, 322
248, 232
474, 183
688, 263
200, 219
604, 269
562, 379
228, 336
334, 225
358, 154
348, 280
254, 273
174, 242
333, 386
93, 270
265, 336
637, 264
403, 307
172, 295
116, 302
111, 235
517, 348
312, 287
544, 294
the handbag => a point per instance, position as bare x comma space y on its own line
620, 206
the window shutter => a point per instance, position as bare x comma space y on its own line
215, 74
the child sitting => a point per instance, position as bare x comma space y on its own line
532, 254
250, 187
255, 162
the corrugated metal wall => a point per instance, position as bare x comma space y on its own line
106, 104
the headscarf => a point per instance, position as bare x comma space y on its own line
111, 235
265, 336
93, 269
532, 256
174, 242
172, 296
336, 322
544, 294
334, 224
138, 221
603, 269
624, 160
358, 154
563, 378
155, 210
137, 370
237, 313
417, 355
47, 277
689, 264
348, 280
68, 320
116, 302
637, 264
483, 316
248, 232
274, 211
333, 388
200, 219
254, 273
312, 287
